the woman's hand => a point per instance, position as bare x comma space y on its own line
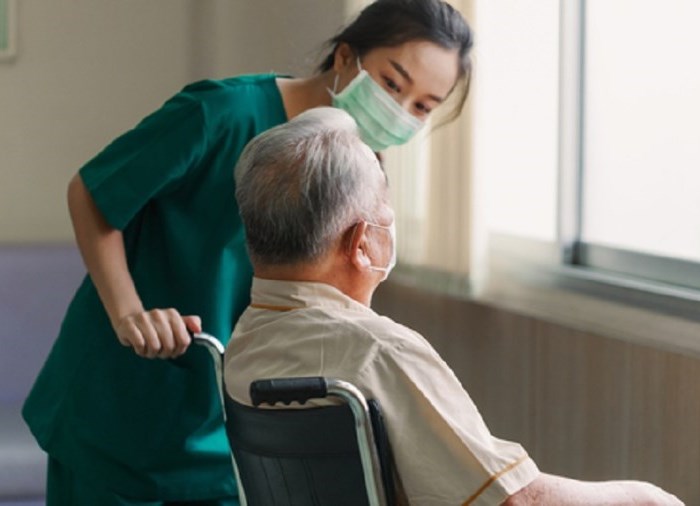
158, 333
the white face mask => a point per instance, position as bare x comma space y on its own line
382, 122
392, 261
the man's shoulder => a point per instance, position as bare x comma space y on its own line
378, 328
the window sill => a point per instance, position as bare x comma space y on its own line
526, 277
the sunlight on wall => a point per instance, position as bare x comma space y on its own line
515, 103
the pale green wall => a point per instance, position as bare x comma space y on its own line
86, 70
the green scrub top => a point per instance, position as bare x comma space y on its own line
152, 429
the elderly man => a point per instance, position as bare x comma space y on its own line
320, 235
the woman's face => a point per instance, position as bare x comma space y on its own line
419, 75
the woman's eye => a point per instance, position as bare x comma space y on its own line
422, 108
392, 85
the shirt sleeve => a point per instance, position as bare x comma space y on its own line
142, 162
443, 450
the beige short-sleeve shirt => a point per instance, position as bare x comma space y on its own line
444, 453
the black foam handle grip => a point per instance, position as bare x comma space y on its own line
287, 390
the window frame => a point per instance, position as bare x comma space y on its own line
572, 165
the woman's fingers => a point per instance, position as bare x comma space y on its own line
129, 335
150, 333
193, 323
181, 336
160, 333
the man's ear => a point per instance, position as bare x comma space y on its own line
342, 57
357, 246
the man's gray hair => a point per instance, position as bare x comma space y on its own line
301, 184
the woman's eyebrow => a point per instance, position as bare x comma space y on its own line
399, 68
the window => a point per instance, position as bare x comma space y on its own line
587, 134
640, 139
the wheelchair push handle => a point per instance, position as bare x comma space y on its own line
216, 351
212, 344
287, 390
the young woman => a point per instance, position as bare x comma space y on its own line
157, 225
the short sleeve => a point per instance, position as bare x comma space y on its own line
444, 451
138, 165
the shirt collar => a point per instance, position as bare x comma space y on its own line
289, 295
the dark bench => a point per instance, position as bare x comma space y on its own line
36, 284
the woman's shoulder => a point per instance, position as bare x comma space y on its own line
236, 98
249, 86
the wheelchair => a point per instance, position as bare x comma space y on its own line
333, 455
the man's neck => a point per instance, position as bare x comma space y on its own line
316, 274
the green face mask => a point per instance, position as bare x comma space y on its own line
381, 120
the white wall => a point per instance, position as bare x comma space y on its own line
87, 70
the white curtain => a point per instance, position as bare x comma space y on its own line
430, 180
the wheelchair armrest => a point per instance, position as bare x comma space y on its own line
287, 390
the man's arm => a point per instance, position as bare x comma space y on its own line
551, 490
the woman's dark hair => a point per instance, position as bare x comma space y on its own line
390, 23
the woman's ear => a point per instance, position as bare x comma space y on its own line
342, 57
357, 246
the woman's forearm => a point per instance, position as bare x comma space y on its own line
156, 332
102, 249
